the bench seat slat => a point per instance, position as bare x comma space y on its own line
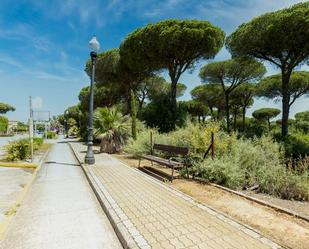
163, 161
171, 149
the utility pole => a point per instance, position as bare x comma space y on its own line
31, 128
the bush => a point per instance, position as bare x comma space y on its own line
297, 145
20, 149
50, 135
74, 131
195, 136
141, 146
255, 162
238, 164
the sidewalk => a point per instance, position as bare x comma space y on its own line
60, 210
150, 214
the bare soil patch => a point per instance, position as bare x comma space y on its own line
282, 228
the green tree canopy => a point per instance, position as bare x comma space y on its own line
197, 109
271, 86
154, 86
174, 45
75, 113
103, 96
211, 95
302, 121
280, 37
231, 74
266, 114
161, 114
4, 108
115, 78
107, 67
302, 116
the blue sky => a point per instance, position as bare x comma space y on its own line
44, 44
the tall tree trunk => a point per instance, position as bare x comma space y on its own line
211, 113
285, 102
174, 101
268, 121
243, 118
173, 90
227, 110
235, 120
133, 114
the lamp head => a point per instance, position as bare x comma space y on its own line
94, 44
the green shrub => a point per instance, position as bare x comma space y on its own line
195, 136
74, 131
37, 142
50, 135
20, 149
238, 164
255, 162
140, 146
297, 145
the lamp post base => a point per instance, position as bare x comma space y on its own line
89, 158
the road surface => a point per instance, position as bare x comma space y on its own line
60, 211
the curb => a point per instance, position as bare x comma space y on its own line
19, 165
121, 231
264, 203
20, 197
127, 238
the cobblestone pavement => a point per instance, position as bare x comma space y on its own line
157, 216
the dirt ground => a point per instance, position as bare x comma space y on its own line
282, 228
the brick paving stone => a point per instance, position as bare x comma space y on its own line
163, 217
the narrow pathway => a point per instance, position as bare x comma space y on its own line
60, 210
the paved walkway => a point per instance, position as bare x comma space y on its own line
60, 210
157, 216
12, 181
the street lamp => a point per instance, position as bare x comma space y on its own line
94, 45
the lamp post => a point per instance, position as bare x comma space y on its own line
94, 45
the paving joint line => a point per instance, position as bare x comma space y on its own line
220, 215
126, 232
212, 211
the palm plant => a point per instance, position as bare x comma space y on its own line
111, 127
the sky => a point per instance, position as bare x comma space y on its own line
44, 44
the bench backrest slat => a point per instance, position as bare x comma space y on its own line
172, 149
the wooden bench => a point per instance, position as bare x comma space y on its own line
174, 150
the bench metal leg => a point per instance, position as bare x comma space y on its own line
139, 163
187, 171
172, 173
